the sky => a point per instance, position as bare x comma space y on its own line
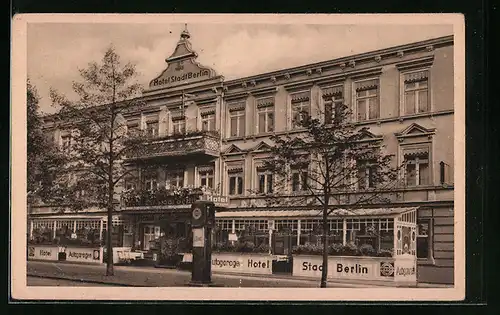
57, 50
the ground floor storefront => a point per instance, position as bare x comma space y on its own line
281, 237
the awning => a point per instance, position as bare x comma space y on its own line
374, 212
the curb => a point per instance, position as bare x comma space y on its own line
83, 280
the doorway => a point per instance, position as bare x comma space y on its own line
149, 235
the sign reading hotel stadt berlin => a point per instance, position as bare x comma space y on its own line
182, 67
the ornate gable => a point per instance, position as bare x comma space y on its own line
233, 149
369, 136
182, 67
415, 130
261, 147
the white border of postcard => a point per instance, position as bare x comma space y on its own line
20, 290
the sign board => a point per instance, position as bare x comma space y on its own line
43, 252
233, 237
405, 270
181, 72
344, 267
198, 237
219, 201
238, 263
84, 255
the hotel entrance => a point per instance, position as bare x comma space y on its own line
151, 233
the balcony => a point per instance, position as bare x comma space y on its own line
169, 198
203, 143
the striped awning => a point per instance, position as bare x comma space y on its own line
300, 97
367, 85
417, 152
265, 102
334, 91
373, 212
236, 106
205, 168
235, 169
416, 76
207, 111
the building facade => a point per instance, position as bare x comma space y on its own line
214, 133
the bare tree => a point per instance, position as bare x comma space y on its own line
330, 163
98, 137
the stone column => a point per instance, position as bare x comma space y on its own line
31, 229
54, 228
100, 230
344, 232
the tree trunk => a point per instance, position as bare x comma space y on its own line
324, 238
109, 238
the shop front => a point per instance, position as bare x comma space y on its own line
363, 244
162, 233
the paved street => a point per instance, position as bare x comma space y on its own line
35, 281
159, 277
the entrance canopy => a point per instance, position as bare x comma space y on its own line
373, 212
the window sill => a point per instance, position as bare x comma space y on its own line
405, 117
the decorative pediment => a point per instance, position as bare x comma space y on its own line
182, 67
369, 136
262, 146
415, 130
233, 149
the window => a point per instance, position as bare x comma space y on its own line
206, 177
208, 122
179, 125
333, 97
66, 143
423, 241
235, 181
299, 180
300, 107
150, 182
417, 168
366, 174
130, 184
416, 92
152, 128
224, 225
237, 119
133, 127
265, 181
265, 115
257, 225
174, 178
367, 100
445, 173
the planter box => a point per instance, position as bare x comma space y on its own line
251, 263
356, 268
43, 252
90, 255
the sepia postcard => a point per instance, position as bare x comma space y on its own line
235, 157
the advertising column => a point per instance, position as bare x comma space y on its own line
203, 219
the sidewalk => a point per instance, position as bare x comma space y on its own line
161, 277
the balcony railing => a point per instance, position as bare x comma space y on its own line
196, 142
137, 198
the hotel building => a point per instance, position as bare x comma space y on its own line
212, 132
